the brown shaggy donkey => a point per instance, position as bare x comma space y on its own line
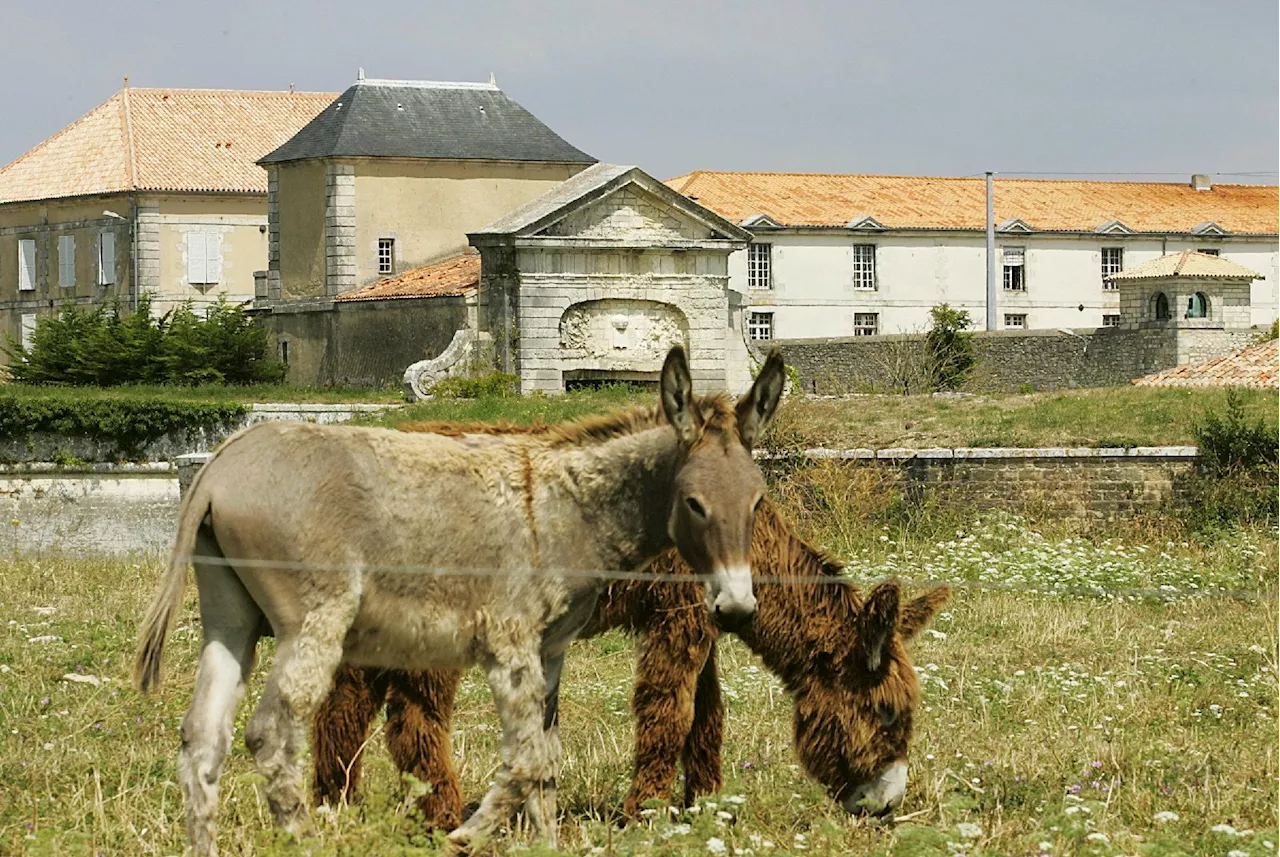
840, 654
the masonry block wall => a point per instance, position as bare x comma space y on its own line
1087, 484
340, 228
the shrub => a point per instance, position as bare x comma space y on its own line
1235, 480
948, 349
104, 347
490, 386
128, 423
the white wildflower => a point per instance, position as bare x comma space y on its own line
735, 799
968, 830
715, 845
1225, 830
1098, 837
1236, 852
1164, 816
727, 816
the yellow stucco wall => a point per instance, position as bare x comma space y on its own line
301, 195
429, 206
242, 224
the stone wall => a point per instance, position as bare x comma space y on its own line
360, 343
1076, 483
1008, 360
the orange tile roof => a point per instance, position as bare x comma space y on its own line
177, 140
451, 277
1255, 366
1190, 264
909, 202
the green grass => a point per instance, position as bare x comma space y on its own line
209, 393
1046, 719
1115, 416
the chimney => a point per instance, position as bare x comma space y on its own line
1200, 181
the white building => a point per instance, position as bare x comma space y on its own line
848, 255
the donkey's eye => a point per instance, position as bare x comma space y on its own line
888, 714
695, 507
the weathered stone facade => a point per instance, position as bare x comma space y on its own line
340, 228
600, 277
1009, 361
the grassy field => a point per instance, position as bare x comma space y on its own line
1052, 724
1116, 416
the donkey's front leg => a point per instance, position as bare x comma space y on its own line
528, 759
540, 808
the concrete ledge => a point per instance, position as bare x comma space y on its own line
149, 468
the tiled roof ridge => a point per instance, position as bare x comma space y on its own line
131, 154
690, 176
426, 84
63, 131
221, 91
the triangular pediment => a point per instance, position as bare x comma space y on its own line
1113, 227
1208, 228
758, 220
1014, 224
865, 221
618, 205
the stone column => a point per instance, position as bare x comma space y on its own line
148, 249
273, 234
340, 228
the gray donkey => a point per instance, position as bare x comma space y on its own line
454, 547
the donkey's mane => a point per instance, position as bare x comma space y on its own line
716, 410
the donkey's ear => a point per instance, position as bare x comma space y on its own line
877, 621
756, 408
917, 612
677, 396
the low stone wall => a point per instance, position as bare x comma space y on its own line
1063, 482
360, 343
1008, 360
47, 446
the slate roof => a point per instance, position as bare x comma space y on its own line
174, 140
1188, 264
457, 275
1256, 366
424, 119
912, 202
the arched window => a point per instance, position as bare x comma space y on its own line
1160, 306
1198, 305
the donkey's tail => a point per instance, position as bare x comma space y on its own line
168, 598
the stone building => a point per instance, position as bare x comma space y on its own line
368, 199
1199, 304
597, 278
155, 191
861, 255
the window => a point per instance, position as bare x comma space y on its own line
1209, 251
760, 326
1198, 305
866, 323
864, 266
1014, 269
1111, 321
1015, 321
1112, 263
1160, 306
26, 264
759, 266
386, 255
66, 260
204, 258
284, 351
28, 329
106, 258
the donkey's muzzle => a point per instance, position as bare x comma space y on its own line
880, 796
731, 599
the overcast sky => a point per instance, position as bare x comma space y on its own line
941, 88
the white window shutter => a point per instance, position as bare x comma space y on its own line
213, 257
26, 264
28, 329
106, 258
196, 258
66, 260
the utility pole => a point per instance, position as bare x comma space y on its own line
991, 255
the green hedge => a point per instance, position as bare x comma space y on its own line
129, 423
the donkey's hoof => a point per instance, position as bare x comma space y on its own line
460, 843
